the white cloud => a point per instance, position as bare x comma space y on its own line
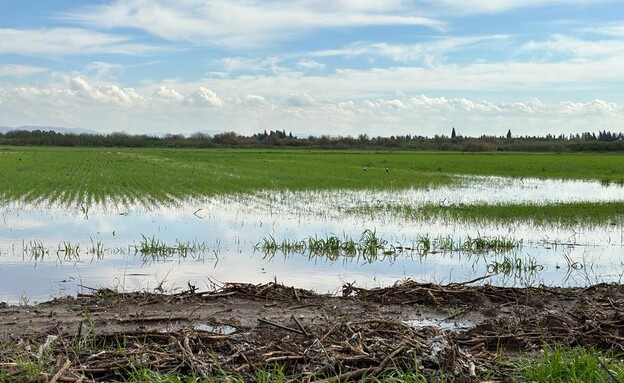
251, 100
390, 104
79, 84
249, 64
352, 5
300, 100
616, 30
103, 93
89, 103
413, 52
240, 23
497, 6
568, 45
204, 97
11, 70
307, 64
66, 41
166, 94
595, 107
102, 69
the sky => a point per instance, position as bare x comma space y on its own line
337, 67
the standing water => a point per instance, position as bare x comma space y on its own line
50, 251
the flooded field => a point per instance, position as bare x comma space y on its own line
50, 251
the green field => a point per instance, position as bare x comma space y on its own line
74, 176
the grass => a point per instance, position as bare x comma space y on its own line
554, 365
561, 214
369, 246
155, 248
35, 250
478, 244
150, 248
68, 251
372, 247
76, 176
268, 375
515, 266
571, 365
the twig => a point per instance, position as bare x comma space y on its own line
89, 288
453, 316
300, 326
295, 292
61, 371
153, 319
281, 326
283, 357
471, 281
328, 333
387, 359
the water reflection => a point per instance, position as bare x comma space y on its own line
103, 242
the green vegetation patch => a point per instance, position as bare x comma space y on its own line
575, 365
562, 214
81, 177
372, 248
86, 176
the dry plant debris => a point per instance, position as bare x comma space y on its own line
240, 328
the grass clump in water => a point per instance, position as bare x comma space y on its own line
515, 266
155, 248
484, 244
35, 250
68, 250
332, 247
371, 246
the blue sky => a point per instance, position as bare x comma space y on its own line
341, 67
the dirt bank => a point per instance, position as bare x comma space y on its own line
456, 329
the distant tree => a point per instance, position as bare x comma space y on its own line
453, 135
509, 134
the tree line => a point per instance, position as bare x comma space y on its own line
587, 141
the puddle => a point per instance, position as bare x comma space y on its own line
221, 329
51, 251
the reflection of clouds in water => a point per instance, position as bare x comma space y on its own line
231, 225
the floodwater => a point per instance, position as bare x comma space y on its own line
51, 251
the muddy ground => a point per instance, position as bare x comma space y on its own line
469, 332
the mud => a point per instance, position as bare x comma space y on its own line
469, 332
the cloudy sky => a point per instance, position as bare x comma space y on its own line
339, 67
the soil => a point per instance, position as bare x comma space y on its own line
466, 331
